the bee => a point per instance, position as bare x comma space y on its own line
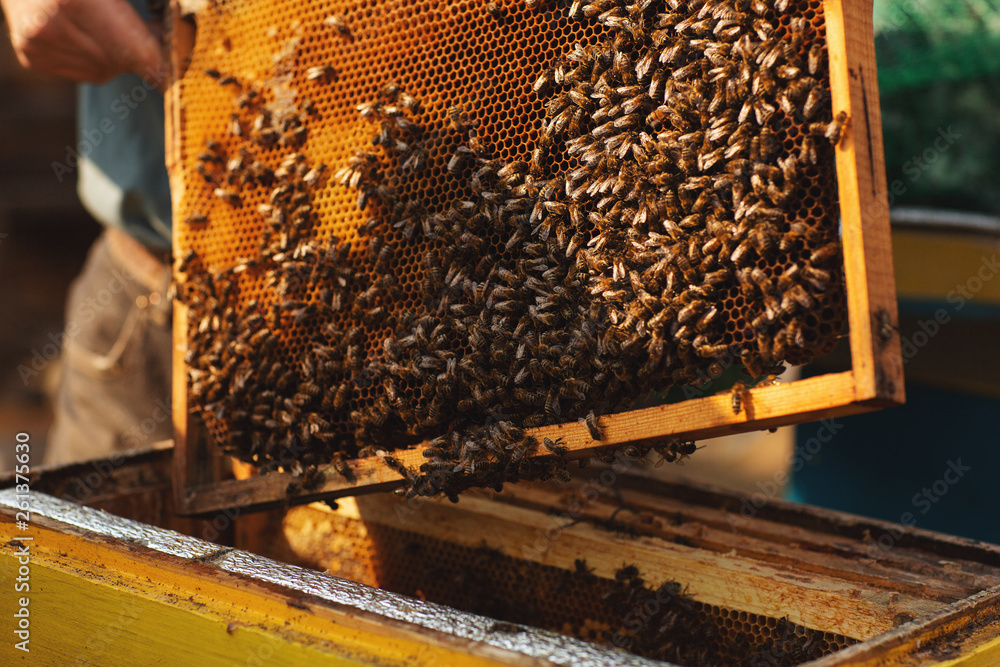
544, 81
209, 156
231, 197
458, 119
824, 254
295, 137
793, 334
818, 278
815, 59
247, 99
313, 175
707, 160
369, 109
416, 162
205, 174
591, 422
796, 295
196, 218
458, 158
338, 23
267, 136
787, 72
409, 102
236, 163
808, 151
813, 101
495, 10
516, 167
321, 72
834, 130
737, 394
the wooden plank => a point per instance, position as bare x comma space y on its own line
140, 603
966, 558
871, 291
985, 654
118, 602
819, 397
830, 604
185, 447
921, 552
124, 627
188, 469
966, 633
808, 551
135, 484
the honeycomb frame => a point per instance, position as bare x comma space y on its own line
875, 379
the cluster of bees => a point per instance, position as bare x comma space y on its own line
688, 181
261, 403
663, 624
672, 246
660, 622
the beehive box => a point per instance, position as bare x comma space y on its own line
399, 222
497, 578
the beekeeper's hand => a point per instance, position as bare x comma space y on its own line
83, 40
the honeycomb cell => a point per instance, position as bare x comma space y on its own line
507, 588
306, 150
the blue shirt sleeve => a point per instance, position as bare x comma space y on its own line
122, 167
120, 154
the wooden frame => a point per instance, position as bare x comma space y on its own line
875, 379
929, 599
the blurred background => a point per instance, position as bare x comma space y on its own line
44, 237
940, 93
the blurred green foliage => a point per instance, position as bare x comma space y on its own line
939, 74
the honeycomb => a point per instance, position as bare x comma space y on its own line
402, 220
669, 626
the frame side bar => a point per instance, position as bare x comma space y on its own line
181, 35
871, 287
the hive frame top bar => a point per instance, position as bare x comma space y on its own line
875, 379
